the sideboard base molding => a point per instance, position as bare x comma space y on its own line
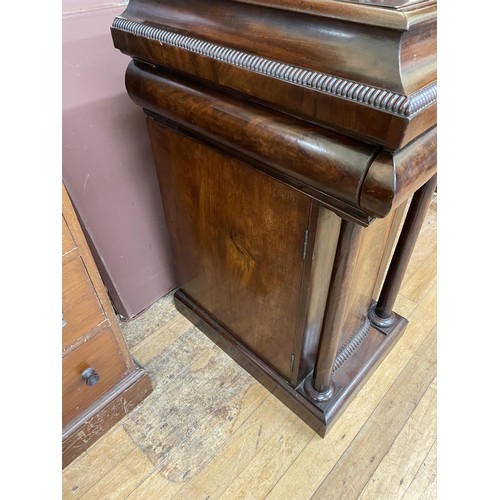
348, 379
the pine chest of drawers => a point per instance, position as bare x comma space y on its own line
101, 382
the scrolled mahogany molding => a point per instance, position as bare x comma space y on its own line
323, 163
391, 179
390, 102
345, 173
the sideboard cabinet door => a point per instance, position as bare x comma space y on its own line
238, 237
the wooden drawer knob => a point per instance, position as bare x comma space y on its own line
90, 376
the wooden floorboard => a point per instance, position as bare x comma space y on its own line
407, 454
318, 458
96, 462
258, 478
350, 474
424, 484
122, 479
238, 441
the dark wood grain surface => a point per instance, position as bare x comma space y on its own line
392, 178
324, 164
238, 239
368, 54
393, 14
364, 276
321, 69
323, 248
285, 136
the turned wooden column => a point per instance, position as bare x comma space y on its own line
320, 388
382, 314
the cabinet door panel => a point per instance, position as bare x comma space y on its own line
238, 238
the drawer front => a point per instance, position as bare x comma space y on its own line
81, 308
68, 243
102, 354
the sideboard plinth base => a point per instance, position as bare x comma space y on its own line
348, 379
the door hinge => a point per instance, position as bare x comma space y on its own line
306, 240
292, 362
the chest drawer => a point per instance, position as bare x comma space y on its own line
101, 354
80, 306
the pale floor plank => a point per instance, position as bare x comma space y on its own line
155, 486
227, 463
149, 321
423, 259
419, 283
158, 341
424, 485
174, 402
253, 399
190, 451
238, 452
315, 462
121, 479
185, 461
80, 478
201, 485
96, 462
167, 433
262, 473
351, 473
405, 306
421, 322
399, 467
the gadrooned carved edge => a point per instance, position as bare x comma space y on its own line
370, 96
351, 345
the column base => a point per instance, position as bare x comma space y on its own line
314, 395
384, 324
349, 378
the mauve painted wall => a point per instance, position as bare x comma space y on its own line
107, 164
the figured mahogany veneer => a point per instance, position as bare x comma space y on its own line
329, 167
291, 141
378, 83
229, 250
397, 14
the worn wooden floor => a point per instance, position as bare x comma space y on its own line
210, 431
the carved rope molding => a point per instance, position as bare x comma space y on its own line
351, 345
370, 96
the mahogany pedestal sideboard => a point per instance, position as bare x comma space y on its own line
295, 147
101, 382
